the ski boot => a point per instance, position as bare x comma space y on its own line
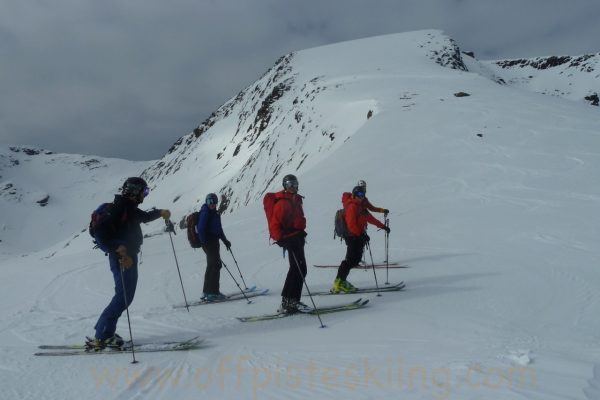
213, 297
94, 344
340, 286
288, 306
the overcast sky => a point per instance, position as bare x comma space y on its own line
127, 78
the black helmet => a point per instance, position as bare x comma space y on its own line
134, 186
358, 191
211, 198
290, 181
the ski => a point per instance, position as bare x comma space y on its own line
367, 266
126, 345
309, 311
74, 350
251, 292
371, 289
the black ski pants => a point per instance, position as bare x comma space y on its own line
354, 251
292, 288
213, 267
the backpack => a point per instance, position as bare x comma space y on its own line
340, 228
99, 216
192, 235
268, 203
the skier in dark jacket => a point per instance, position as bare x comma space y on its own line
120, 235
210, 230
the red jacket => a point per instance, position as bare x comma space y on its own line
288, 216
357, 216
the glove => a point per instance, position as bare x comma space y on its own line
385, 212
227, 244
166, 214
170, 226
281, 243
126, 262
366, 237
387, 229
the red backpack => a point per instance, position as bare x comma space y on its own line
192, 235
268, 203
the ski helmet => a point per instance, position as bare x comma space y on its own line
290, 181
211, 198
363, 185
135, 186
358, 191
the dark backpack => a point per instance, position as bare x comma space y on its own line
192, 235
340, 228
100, 216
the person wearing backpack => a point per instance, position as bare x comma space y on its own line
117, 231
287, 226
356, 216
363, 185
210, 230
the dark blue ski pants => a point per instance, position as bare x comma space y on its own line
107, 323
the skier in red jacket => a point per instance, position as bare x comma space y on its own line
357, 216
288, 228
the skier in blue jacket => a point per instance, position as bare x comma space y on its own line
210, 230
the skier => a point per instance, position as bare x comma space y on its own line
121, 235
288, 228
356, 216
210, 230
362, 184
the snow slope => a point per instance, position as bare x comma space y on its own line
46, 197
494, 202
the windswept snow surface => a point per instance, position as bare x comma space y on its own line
494, 201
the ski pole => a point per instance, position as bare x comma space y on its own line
236, 282
238, 268
307, 289
387, 247
373, 264
127, 309
171, 228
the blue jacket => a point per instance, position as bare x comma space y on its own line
209, 226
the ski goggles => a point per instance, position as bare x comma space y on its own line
360, 195
146, 191
290, 184
212, 200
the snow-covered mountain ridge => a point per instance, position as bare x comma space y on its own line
572, 77
270, 127
292, 117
